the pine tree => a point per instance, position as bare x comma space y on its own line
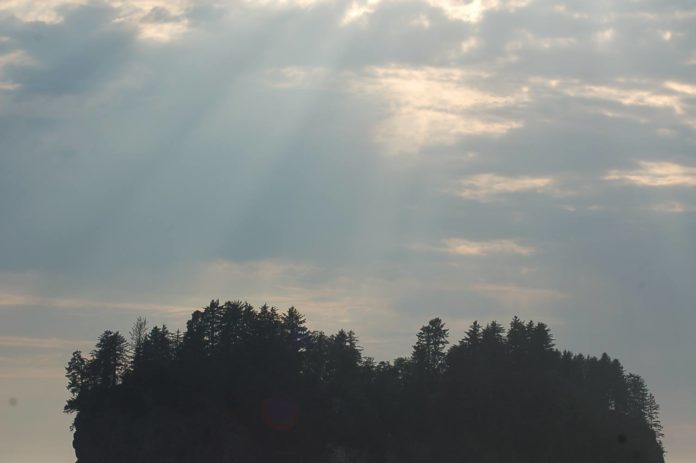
109, 360
158, 348
194, 344
76, 372
517, 336
540, 339
472, 338
293, 324
429, 351
641, 404
492, 337
211, 320
231, 329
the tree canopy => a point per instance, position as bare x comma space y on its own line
243, 384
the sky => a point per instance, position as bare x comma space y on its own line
374, 163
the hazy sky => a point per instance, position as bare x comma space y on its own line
374, 163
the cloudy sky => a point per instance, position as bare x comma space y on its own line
374, 163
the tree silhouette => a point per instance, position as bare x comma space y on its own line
108, 360
429, 352
76, 372
256, 385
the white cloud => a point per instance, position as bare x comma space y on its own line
681, 87
435, 106
655, 174
409, 130
634, 95
526, 40
474, 10
13, 58
672, 207
428, 105
488, 186
36, 10
160, 20
284, 3
465, 247
628, 97
359, 9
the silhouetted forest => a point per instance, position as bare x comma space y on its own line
256, 385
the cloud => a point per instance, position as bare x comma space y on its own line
159, 153
626, 94
284, 3
488, 186
519, 296
672, 207
655, 174
681, 87
32, 364
457, 246
85, 50
426, 105
474, 10
42, 10
435, 106
359, 9
41, 343
24, 299
15, 58
160, 24
325, 294
155, 19
299, 77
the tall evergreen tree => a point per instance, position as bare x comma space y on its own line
76, 372
540, 339
517, 336
492, 340
108, 360
473, 336
429, 351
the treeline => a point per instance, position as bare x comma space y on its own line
256, 385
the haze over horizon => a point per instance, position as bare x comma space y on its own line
374, 163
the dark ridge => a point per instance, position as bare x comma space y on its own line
254, 385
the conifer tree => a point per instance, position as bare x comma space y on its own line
473, 336
517, 336
492, 337
108, 361
429, 352
76, 372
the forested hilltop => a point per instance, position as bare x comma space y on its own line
255, 385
